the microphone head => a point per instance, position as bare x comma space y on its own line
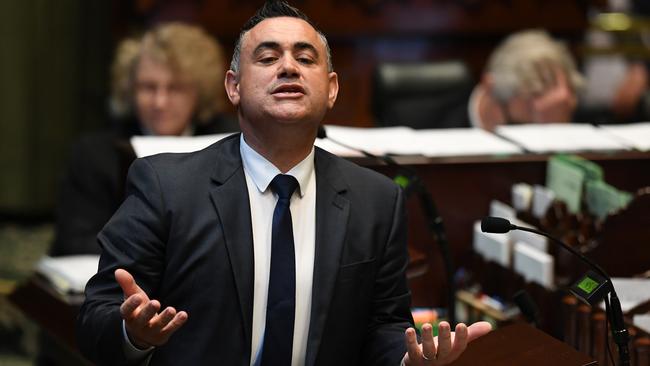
496, 225
321, 134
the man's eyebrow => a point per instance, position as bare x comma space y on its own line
298, 46
265, 46
301, 46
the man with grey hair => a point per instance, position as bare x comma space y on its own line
529, 78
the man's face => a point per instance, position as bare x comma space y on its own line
283, 76
164, 102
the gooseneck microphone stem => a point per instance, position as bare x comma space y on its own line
619, 330
434, 221
586, 260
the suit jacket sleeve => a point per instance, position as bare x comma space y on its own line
391, 313
133, 239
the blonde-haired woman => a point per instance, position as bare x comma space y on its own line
169, 81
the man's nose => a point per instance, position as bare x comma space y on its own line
289, 68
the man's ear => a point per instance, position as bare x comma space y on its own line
333, 89
231, 84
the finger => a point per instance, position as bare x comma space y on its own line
547, 74
127, 283
459, 342
560, 77
478, 329
179, 319
412, 346
444, 341
129, 306
147, 311
428, 345
161, 320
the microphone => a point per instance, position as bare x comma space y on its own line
591, 288
496, 225
410, 182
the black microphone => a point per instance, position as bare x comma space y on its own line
410, 182
496, 225
590, 288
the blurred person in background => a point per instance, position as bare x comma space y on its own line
529, 78
169, 82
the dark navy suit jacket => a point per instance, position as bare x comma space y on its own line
184, 232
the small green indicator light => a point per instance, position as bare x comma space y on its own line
402, 181
588, 285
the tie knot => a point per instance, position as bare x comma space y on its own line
284, 185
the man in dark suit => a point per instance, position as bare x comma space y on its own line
198, 232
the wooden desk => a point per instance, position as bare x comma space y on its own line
56, 315
520, 344
463, 187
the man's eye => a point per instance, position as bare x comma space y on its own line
268, 60
305, 60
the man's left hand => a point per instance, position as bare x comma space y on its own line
444, 348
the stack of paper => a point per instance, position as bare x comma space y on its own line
407, 141
151, 145
377, 141
560, 137
635, 135
460, 142
68, 274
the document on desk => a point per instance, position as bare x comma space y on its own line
631, 291
460, 142
636, 135
402, 140
378, 141
560, 137
68, 274
151, 145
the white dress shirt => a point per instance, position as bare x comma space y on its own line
259, 174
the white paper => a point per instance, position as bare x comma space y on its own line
533, 265
642, 321
535, 241
542, 200
151, 145
68, 274
636, 135
458, 142
522, 195
500, 209
631, 291
560, 137
492, 247
377, 141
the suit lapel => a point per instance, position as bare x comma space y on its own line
230, 199
332, 211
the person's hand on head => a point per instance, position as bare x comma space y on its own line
557, 101
444, 348
145, 325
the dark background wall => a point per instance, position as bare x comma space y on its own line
55, 58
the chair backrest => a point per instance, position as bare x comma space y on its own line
422, 95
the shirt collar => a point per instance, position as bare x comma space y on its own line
262, 171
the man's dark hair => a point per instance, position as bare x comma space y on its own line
275, 9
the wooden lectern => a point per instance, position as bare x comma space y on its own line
520, 344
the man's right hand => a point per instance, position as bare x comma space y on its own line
146, 326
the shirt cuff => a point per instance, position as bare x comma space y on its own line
133, 354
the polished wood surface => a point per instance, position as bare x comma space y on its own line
520, 344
